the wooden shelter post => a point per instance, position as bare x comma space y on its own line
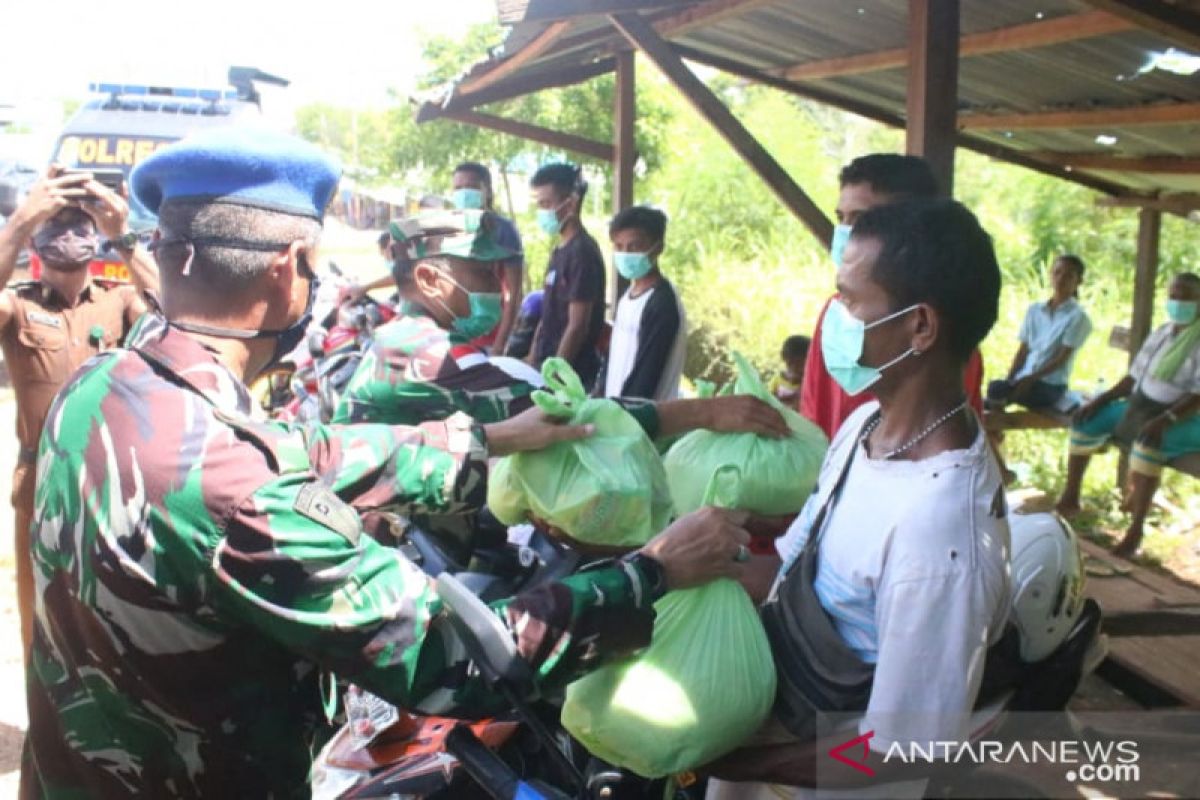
624, 154
624, 115
933, 35
1149, 233
643, 36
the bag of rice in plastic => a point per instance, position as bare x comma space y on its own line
777, 475
609, 489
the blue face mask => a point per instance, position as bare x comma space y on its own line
842, 339
1182, 312
841, 235
632, 266
547, 220
466, 199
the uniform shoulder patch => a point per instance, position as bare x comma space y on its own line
321, 505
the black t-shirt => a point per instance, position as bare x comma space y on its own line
575, 275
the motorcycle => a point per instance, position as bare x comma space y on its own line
307, 384
1057, 641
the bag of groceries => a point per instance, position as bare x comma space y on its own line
608, 489
705, 683
777, 475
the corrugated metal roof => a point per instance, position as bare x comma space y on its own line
1102, 72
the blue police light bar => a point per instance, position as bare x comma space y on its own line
212, 95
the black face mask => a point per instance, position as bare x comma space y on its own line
286, 339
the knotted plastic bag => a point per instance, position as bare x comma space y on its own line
705, 683
608, 489
777, 475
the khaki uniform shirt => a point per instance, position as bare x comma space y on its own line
46, 340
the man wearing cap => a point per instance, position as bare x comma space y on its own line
198, 570
49, 326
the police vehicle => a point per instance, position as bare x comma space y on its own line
124, 123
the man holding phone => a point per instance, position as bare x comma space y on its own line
50, 326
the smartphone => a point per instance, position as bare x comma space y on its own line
105, 176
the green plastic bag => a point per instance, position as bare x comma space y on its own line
705, 683
777, 475
608, 489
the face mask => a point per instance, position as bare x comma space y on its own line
1182, 312
841, 235
547, 220
485, 311
632, 266
467, 199
286, 339
290, 337
66, 251
842, 338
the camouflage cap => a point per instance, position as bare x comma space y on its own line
467, 234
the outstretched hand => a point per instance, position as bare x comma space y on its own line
532, 429
700, 547
745, 413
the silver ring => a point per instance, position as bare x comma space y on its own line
742, 555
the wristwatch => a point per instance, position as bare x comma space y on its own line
652, 570
126, 241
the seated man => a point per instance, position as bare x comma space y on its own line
649, 340
1153, 409
898, 564
1051, 335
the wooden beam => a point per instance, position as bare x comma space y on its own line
1151, 165
1149, 233
665, 23
933, 86
502, 69
535, 133
1173, 21
511, 12
1163, 114
1181, 204
518, 87
1069, 28
644, 37
707, 13
966, 141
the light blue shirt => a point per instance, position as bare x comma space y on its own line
1045, 330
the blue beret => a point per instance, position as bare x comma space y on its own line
242, 165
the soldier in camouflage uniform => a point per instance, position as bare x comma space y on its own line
197, 570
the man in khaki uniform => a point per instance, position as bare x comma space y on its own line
50, 326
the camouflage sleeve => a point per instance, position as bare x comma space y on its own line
294, 564
483, 392
434, 467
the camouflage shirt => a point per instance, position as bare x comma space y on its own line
415, 372
197, 571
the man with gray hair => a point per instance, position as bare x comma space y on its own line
198, 570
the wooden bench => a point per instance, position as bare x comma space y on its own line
996, 422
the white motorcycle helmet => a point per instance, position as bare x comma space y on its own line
1047, 582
